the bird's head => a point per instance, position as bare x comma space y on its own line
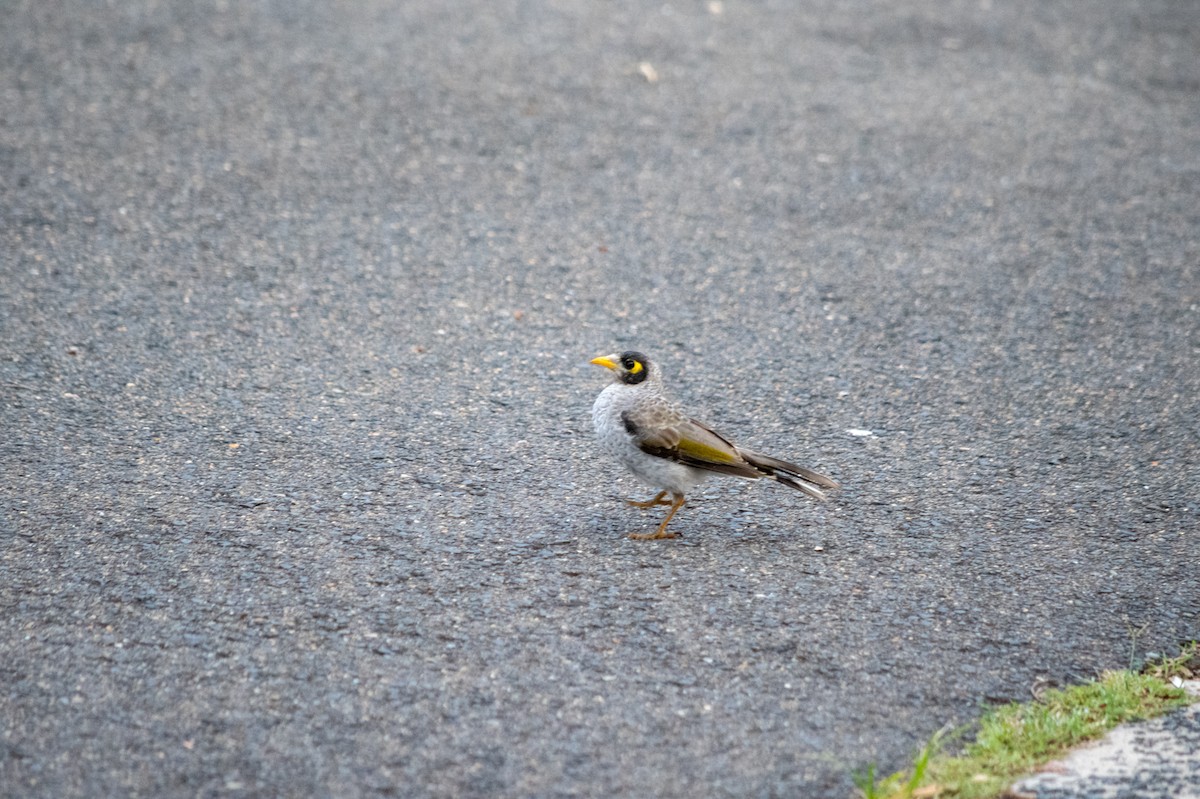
629, 367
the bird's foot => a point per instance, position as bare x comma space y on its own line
676, 503
656, 535
650, 503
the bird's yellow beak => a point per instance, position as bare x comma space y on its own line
606, 361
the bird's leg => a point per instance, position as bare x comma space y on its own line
661, 532
650, 503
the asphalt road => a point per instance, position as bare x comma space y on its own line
299, 494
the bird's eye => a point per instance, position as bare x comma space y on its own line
634, 366
628, 362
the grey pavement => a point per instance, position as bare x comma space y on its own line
296, 301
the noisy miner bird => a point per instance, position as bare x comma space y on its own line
638, 424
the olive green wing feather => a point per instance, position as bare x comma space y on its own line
668, 435
685, 441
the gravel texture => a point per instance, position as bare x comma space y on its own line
299, 494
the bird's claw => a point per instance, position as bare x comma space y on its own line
658, 534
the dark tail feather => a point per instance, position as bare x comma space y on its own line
790, 474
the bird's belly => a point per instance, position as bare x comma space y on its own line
662, 473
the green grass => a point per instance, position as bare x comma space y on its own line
1013, 740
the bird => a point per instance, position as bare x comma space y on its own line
639, 424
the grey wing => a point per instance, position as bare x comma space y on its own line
667, 435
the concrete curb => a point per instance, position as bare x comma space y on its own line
1154, 759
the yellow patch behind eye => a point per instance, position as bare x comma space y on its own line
637, 367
